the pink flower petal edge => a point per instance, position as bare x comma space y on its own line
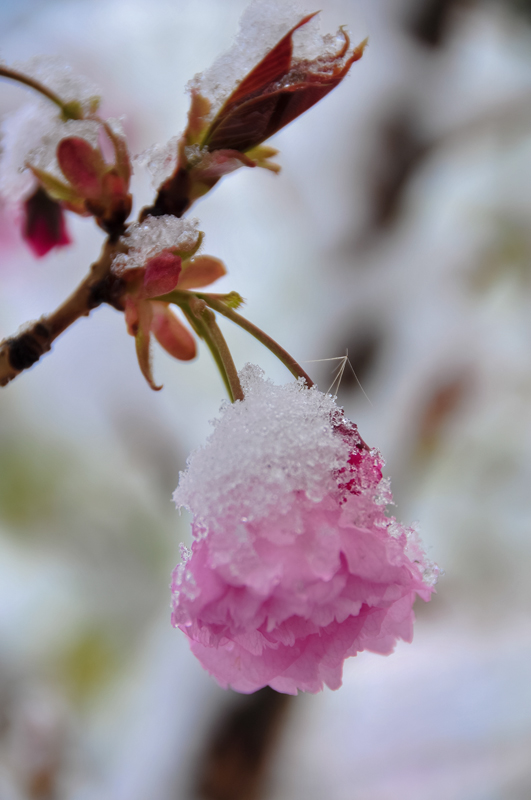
295, 565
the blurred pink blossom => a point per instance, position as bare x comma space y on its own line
295, 565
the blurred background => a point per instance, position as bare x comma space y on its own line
398, 230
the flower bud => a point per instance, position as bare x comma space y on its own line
226, 129
44, 224
295, 565
161, 257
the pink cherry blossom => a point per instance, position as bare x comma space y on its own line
294, 565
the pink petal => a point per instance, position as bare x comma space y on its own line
171, 334
162, 274
201, 271
140, 320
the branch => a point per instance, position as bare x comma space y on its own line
20, 352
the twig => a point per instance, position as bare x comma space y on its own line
70, 110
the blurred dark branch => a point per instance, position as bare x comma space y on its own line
522, 7
236, 758
401, 150
429, 20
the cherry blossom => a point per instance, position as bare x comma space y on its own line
295, 565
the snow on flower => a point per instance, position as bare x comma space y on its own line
295, 565
154, 235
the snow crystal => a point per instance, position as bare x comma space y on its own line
148, 238
279, 440
116, 124
160, 160
58, 76
262, 26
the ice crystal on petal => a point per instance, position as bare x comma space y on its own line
295, 565
155, 234
277, 442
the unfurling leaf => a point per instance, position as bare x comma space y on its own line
275, 92
272, 67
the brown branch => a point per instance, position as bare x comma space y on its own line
20, 352
242, 745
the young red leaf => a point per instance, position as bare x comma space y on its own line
249, 118
272, 67
171, 333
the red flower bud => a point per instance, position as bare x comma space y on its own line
44, 223
82, 165
279, 89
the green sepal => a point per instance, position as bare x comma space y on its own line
54, 187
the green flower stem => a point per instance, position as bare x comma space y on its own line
69, 110
182, 298
288, 361
203, 321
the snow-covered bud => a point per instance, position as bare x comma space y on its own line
58, 148
93, 187
161, 257
262, 84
